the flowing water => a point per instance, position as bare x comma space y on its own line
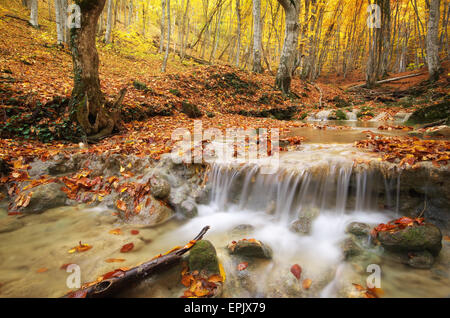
317, 180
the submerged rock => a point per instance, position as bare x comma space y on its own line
302, 225
422, 260
351, 248
9, 224
250, 248
358, 229
188, 208
203, 257
426, 237
44, 197
242, 229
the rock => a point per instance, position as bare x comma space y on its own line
45, 196
351, 248
250, 248
423, 260
155, 213
191, 110
201, 195
302, 225
271, 208
442, 131
358, 229
188, 208
415, 238
242, 229
9, 224
160, 188
203, 257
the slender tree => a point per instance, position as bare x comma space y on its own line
166, 53
34, 13
108, 23
257, 37
433, 41
289, 51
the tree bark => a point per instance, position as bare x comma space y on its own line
34, 14
108, 23
238, 32
257, 37
162, 26
87, 98
59, 26
433, 41
166, 54
289, 51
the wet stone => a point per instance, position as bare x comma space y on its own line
358, 229
250, 248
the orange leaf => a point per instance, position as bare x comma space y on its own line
115, 260
116, 231
121, 205
42, 270
242, 266
296, 270
126, 248
134, 232
307, 283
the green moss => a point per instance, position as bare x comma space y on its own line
203, 257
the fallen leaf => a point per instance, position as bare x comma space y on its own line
42, 270
80, 248
242, 266
296, 270
307, 283
134, 232
126, 248
115, 260
116, 231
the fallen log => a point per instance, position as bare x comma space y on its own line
386, 80
120, 280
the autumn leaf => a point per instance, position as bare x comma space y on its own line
134, 232
126, 248
115, 260
121, 205
306, 283
116, 231
80, 248
296, 270
242, 266
42, 270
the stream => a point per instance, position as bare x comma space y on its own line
319, 179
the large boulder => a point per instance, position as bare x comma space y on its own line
250, 248
203, 257
44, 197
423, 260
351, 248
416, 238
188, 208
358, 229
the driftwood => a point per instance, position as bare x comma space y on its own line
122, 280
435, 123
386, 80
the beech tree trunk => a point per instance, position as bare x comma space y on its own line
34, 14
166, 54
238, 33
433, 41
289, 51
59, 26
87, 98
163, 21
257, 37
108, 23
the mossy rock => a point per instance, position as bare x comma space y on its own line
431, 114
203, 257
251, 248
191, 110
426, 237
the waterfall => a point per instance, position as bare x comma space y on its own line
289, 193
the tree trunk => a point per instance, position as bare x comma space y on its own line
289, 51
433, 41
163, 21
257, 37
238, 32
108, 23
34, 14
59, 26
166, 54
87, 97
